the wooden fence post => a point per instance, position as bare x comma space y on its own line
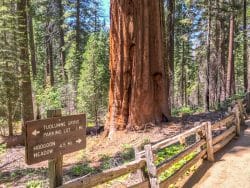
152, 171
243, 114
238, 120
209, 140
55, 165
248, 102
140, 172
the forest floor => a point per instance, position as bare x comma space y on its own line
231, 167
99, 155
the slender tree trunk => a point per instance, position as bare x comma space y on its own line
31, 40
49, 53
138, 93
245, 43
170, 46
26, 91
230, 66
61, 37
207, 84
222, 61
78, 40
183, 75
9, 113
248, 71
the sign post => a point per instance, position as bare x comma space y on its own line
55, 165
49, 139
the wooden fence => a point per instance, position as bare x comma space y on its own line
205, 146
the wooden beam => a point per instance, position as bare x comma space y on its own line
169, 162
221, 144
224, 122
174, 140
224, 135
209, 140
152, 172
140, 173
238, 120
144, 184
105, 176
55, 165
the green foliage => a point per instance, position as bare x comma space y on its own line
187, 110
81, 170
94, 79
34, 184
169, 152
176, 167
2, 148
128, 154
48, 98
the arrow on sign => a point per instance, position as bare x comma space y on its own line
35, 132
78, 141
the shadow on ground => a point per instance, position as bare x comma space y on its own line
235, 147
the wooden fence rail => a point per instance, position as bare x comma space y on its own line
204, 148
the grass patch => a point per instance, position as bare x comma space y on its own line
2, 148
34, 184
188, 110
82, 170
169, 152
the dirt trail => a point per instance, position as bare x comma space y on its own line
231, 168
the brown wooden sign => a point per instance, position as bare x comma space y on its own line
50, 138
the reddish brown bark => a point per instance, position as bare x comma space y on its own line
230, 66
138, 86
207, 84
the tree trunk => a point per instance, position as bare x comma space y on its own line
26, 91
183, 75
222, 62
31, 40
170, 46
230, 66
245, 43
61, 37
138, 87
207, 84
49, 53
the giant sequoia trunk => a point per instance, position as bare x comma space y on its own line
138, 87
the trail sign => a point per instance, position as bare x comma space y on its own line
49, 138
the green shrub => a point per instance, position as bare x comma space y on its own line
186, 110
2, 148
34, 184
81, 170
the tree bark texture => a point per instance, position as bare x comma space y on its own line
230, 66
207, 84
138, 86
26, 91
31, 40
245, 43
170, 46
61, 38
